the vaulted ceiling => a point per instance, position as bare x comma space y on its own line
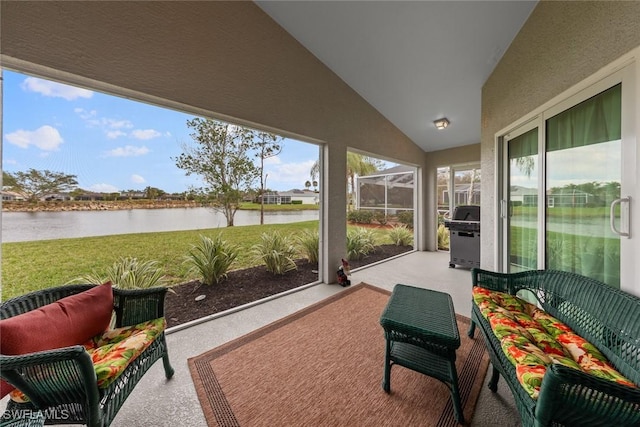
414, 61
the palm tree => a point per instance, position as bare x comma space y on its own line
357, 165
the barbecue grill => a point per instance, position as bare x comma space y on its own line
464, 236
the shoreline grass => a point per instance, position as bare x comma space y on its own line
34, 265
29, 266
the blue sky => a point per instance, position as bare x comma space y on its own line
109, 143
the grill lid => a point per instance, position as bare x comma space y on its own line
466, 213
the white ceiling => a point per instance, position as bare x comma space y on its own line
414, 61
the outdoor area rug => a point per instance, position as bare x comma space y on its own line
323, 366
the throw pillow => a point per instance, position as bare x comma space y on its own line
69, 321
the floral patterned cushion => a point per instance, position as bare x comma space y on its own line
533, 340
112, 351
117, 348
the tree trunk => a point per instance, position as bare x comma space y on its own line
229, 213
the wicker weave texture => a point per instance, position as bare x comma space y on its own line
62, 382
606, 317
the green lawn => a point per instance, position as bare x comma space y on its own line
29, 266
565, 212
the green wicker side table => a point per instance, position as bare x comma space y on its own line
422, 334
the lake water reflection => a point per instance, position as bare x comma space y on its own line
29, 226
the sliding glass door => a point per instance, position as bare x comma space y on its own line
583, 178
523, 190
562, 204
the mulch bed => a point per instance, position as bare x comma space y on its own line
248, 285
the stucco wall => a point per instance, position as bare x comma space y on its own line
227, 60
436, 159
561, 44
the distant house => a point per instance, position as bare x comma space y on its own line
55, 197
87, 196
173, 196
523, 195
570, 197
555, 197
390, 190
127, 195
12, 196
305, 197
465, 194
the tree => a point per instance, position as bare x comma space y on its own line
357, 165
267, 145
153, 193
8, 180
221, 158
34, 184
307, 184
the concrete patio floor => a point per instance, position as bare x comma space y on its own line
158, 402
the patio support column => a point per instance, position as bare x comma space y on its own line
426, 209
333, 228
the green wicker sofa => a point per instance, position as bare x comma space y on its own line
606, 317
62, 383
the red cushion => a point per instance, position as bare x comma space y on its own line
5, 388
69, 321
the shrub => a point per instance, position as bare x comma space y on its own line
360, 242
211, 259
406, 218
401, 235
309, 244
276, 252
380, 217
360, 216
127, 273
296, 202
443, 237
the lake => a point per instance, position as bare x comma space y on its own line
29, 226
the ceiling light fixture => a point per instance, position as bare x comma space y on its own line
441, 123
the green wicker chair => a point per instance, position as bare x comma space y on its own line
606, 317
61, 384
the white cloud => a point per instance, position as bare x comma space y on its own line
293, 174
275, 160
113, 134
84, 114
46, 138
103, 188
54, 90
127, 151
137, 179
116, 124
145, 134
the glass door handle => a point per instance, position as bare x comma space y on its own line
624, 216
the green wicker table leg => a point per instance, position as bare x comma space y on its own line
386, 382
455, 393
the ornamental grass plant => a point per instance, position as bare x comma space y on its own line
401, 235
360, 242
211, 259
308, 244
276, 251
127, 273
